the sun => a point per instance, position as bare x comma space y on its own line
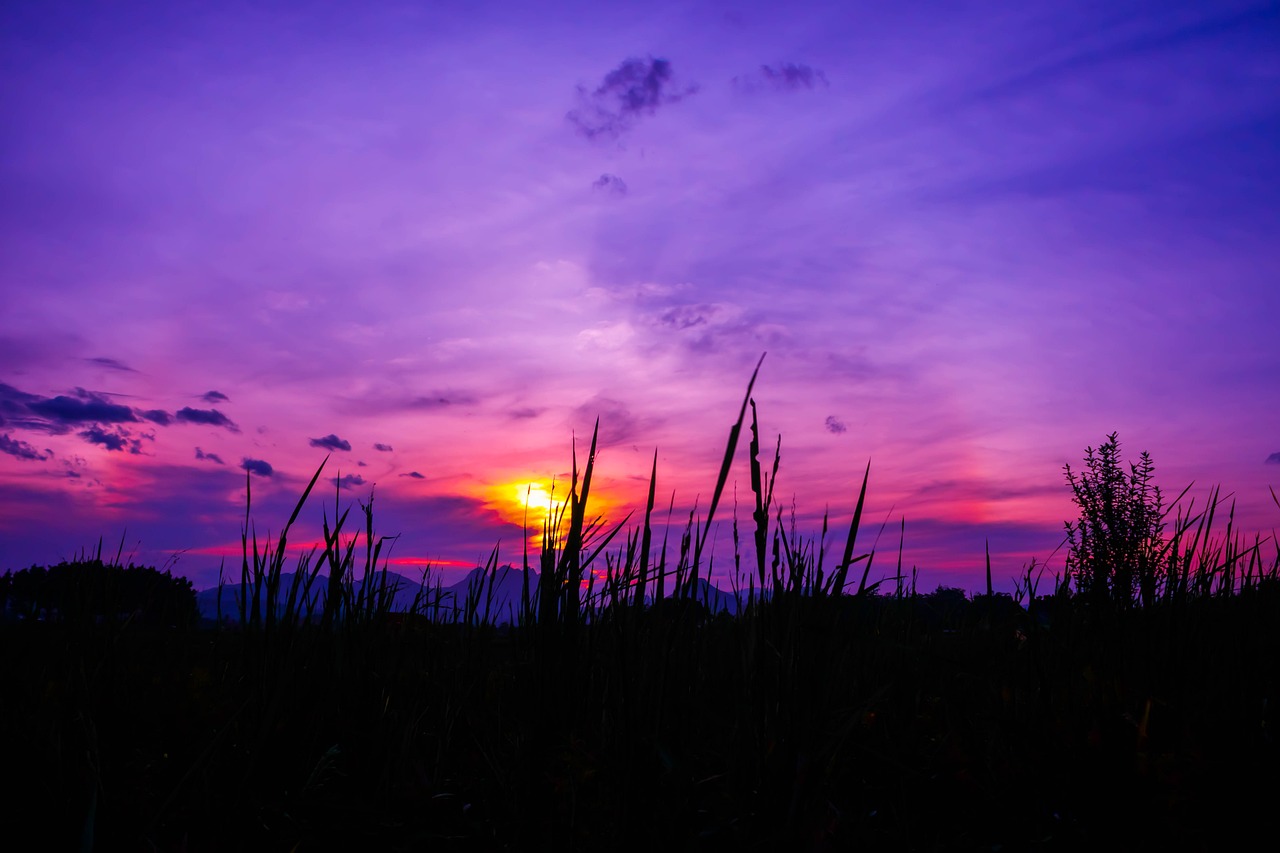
534, 502
527, 501
537, 497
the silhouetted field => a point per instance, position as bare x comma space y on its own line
1131, 707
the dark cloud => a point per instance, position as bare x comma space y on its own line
84, 408
441, 400
428, 401
415, 475
611, 184
361, 463
347, 481
156, 416
212, 457
635, 88
118, 439
857, 365
59, 415
331, 442
11, 399
22, 450
686, 316
523, 414
215, 397
786, 76
207, 417
256, 466
385, 448
835, 425
1273, 459
715, 327
618, 424
111, 364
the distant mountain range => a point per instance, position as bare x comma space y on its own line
497, 600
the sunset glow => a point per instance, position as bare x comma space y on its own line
436, 242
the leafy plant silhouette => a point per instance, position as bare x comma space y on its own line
1117, 541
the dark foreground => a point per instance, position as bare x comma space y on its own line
808, 723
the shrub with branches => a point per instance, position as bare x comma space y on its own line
1115, 546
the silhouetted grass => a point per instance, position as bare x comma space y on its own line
617, 707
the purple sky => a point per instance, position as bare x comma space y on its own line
436, 239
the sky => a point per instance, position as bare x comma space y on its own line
433, 242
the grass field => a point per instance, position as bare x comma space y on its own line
1130, 707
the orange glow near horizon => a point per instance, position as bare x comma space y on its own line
530, 503
297, 549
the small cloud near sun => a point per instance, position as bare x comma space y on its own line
331, 442
835, 425
415, 475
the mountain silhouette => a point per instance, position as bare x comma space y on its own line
492, 597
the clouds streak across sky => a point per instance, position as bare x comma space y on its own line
973, 240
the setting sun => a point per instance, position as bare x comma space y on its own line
538, 498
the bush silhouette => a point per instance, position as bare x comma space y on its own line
1116, 543
87, 591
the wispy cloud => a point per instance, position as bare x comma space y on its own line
22, 450
117, 439
619, 425
206, 417
111, 364
414, 474
610, 184
384, 448
835, 425
636, 88
785, 76
212, 457
331, 442
12, 399
441, 400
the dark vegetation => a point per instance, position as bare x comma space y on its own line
87, 590
1130, 706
